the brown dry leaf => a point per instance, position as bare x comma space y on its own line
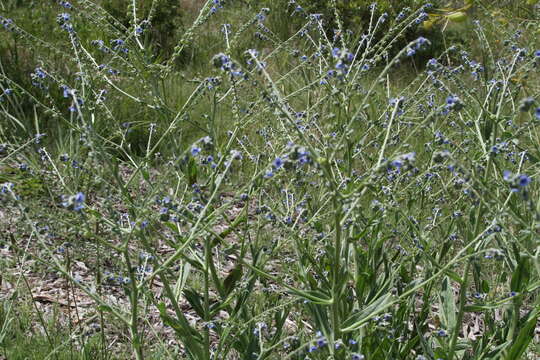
46, 298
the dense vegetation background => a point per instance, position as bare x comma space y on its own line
269, 179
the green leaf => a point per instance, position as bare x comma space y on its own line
171, 226
355, 321
104, 308
448, 309
525, 336
145, 174
191, 338
485, 287
521, 275
231, 279
319, 314
426, 347
196, 301
315, 296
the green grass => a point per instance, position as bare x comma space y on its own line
321, 197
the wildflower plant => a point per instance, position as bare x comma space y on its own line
290, 201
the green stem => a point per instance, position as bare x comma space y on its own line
336, 286
207, 260
459, 319
133, 298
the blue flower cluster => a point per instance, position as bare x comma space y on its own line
6, 93
38, 77
7, 23
64, 20
65, 4
517, 182
75, 202
218, 4
418, 44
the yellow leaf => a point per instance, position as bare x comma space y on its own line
428, 24
458, 16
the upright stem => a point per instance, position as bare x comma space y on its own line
336, 283
133, 297
207, 259
462, 300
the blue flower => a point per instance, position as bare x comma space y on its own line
357, 357
66, 91
65, 4
40, 73
99, 43
421, 41
421, 17
321, 342
432, 62
226, 28
195, 150
236, 155
442, 333
63, 17
451, 100
523, 180
75, 202
67, 27
79, 197
117, 42
393, 102
537, 113
5, 187
341, 65
526, 104
453, 103
278, 163
7, 23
